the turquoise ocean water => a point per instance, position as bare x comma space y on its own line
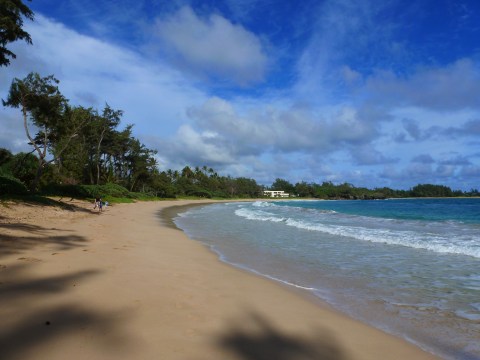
408, 266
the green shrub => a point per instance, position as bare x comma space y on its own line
86, 191
11, 186
114, 190
67, 190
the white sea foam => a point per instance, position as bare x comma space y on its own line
463, 245
475, 317
283, 281
385, 236
258, 215
263, 204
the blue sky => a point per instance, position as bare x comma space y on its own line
375, 93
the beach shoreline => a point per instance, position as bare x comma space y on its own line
125, 284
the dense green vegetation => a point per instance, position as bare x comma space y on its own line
328, 190
79, 178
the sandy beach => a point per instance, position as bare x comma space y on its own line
126, 284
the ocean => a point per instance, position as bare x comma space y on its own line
410, 267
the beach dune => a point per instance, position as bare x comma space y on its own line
126, 284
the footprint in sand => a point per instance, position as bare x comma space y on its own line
124, 247
29, 259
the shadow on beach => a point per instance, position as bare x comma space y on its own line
36, 310
28, 236
28, 322
255, 338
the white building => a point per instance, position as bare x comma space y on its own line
274, 194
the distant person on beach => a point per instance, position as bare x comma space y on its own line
98, 203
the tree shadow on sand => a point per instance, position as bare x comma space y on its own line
40, 201
49, 324
27, 236
255, 338
17, 285
28, 322
36, 311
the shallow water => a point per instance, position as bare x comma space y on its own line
410, 267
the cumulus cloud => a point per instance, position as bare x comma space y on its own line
457, 160
289, 130
201, 147
214, 46
93, 72
349, 75
222, 134
346, 33
469, 128
368, 155
413, 129
423, 159
470, 171
12, 135
451, 87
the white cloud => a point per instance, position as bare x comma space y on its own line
368, 155
349, 75
214, 46
91, 72
204, 147
12, 134
225, 135
346, 33
453, 87
423, 159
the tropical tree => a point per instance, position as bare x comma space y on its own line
247, 187
23, 167
304, 189
46, 108
11, 22
430, 190
73, 154
5, 156
281, 184
104, 129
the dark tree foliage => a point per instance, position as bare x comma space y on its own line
5, 156
281, 184
43, 105
12, 13
329, 190
429, 190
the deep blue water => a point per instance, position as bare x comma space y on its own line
408, 266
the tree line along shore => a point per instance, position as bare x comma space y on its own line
116, 171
